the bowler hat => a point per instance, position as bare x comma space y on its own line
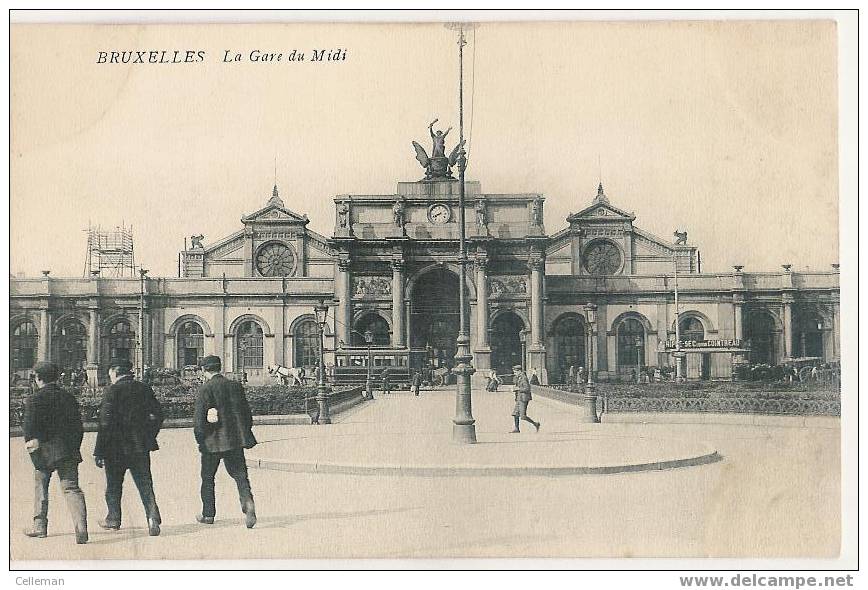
46, 371
516, 367
121, 365
211, 363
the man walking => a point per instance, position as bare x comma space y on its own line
417, 381
521, 386
130, 418
387, 383
222, 426
52, 436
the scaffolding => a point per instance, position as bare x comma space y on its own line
110, 252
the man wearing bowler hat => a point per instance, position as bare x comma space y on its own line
222, 426
52, 436
130, 418
521, 386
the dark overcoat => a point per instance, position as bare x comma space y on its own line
233, 429
51, 414
130, 418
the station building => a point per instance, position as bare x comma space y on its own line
599, 292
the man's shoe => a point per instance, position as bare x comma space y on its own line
536, 425
154, 527
516, 431
81, 537
249, 510
109, 525
204, 519
36, 532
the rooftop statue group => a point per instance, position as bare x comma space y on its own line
438, 165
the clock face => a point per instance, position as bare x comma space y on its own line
602, 258
439, 213
275, 260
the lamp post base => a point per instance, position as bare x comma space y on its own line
464, 434
463, 424
322, 400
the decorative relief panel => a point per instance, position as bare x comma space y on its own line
507, 285
275, 214
372, 286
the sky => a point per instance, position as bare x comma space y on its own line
725, 129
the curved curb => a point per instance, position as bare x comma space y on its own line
476, 470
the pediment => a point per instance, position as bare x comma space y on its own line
274, 214
602, 211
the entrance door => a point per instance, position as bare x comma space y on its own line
506, 349
694, 363
434, 318
705, 371
569, 347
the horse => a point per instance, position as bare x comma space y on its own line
288, 375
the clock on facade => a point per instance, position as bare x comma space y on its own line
602, 258
275, 260
439, 213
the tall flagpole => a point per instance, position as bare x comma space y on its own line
679, 371
463, 424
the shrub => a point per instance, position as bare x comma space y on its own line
178, 401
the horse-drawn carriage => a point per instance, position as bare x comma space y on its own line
292, 376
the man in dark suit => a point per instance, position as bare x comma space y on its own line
522, 396
223, 428
417, 381
129, 420
387, 380
52, 436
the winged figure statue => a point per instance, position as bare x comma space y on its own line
438, 165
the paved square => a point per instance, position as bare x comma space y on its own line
776, 493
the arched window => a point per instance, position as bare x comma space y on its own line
306, 338
631, 343
759, 331
122, 341
72, 345
809, 336
569, 341
248, 345
691, 329
191, 343
375, 324
22, 350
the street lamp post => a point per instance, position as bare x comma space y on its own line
591, 310
140, 369
679, 377
242, 349
369, 382
463, 424
322, 390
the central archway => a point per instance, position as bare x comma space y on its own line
506, 344
434, 318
